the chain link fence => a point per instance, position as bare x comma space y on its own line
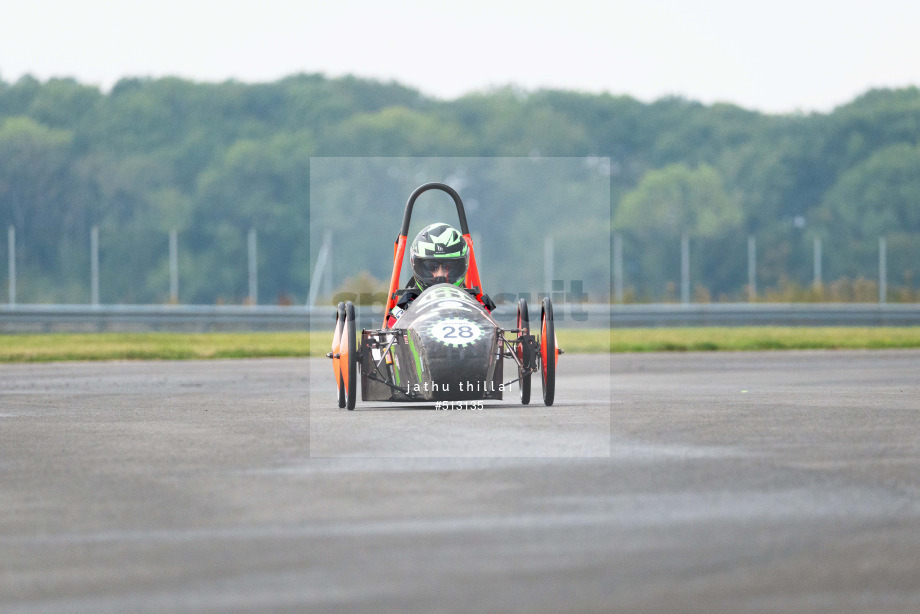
151, 268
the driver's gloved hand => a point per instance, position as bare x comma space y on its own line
487, 302
407, 296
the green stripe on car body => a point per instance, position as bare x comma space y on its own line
395, 365
418, 362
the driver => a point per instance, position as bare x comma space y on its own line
439, 255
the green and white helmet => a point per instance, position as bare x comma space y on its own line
439, 248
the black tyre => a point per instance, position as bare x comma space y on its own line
523, 324
548, 351
336, 344
350, 357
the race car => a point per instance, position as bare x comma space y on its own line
447, 346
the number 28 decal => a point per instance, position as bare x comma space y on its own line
457, 332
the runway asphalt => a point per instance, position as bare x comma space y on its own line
699, 482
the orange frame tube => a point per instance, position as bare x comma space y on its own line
472, 273
399, 249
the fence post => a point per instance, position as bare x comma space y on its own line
320, 272
330, 268
752, 269
173, 267
548, 257
11, 250
685, 268
882, 270
817, 263
253, 269
94, 266
618, 268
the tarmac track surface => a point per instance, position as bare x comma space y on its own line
723, 482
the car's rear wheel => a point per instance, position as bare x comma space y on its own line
548, 351
349, 356
523, 325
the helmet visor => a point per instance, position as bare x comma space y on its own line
443, 270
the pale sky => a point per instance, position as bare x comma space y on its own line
774, 56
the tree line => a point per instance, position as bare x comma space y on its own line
213, 160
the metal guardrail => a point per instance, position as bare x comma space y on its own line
766, 314
192, 318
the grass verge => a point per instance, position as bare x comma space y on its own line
761, 338
151, 346
185, 346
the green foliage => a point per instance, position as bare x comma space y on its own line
677, 199
213, 160
668, 203
877, 196
361, 289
